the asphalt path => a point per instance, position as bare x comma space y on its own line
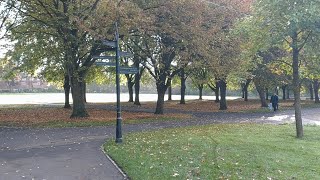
75, 153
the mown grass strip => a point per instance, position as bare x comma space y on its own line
237, 151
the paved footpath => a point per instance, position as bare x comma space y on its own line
75, 153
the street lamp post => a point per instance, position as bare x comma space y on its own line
119, 119
119, 70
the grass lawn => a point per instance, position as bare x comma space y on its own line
224, 151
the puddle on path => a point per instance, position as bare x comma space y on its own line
291, 119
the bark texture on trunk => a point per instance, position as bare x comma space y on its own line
267, 94
217, 92
66, 87
79, 108
183, 87
163, 77
242, 89
169, 91
137, 78
160, 102
311, 91
288, 93
77, 77
316, 90
130, 84
284, 87
245, 89
296, 85
84, 91
261, 92
223, 94
215, 89
200, 87
130, 89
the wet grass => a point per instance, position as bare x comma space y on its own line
237, 151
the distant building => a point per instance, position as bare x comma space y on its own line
23, 83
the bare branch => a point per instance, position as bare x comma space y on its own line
305, 41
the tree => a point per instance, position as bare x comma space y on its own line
79, 27
176, 23
183, 75
31, 54
42, 17
199, 78
223, 45
311, 66
244, 88
213, 84
188, 55
290, 23
8, 16
226, 52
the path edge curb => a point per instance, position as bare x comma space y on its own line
114, 163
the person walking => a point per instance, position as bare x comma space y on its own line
274, 100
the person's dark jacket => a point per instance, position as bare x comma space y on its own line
274, 99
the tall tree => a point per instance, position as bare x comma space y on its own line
244, 86
289, 23
78, 26
175, 23
200, 78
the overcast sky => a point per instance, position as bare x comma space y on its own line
3, 42
2, 48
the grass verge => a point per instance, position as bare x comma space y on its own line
237, 151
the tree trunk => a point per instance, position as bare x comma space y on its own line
163, 79
130, 84
77, 75
267, 94
66, 87
130, 89
84, 91
161, 89
200, 87
316, 90
245, 89
223, 93
311, 91
261, 92
284, 87
246, 95
217, 92
137, 78
169, 91
288, 93
242, 89
183, 87
79, 109
296, 85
